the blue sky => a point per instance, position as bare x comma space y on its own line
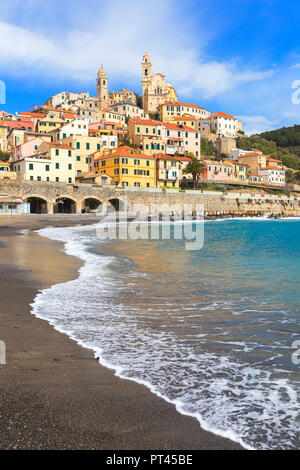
237, 56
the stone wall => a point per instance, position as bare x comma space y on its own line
213, 202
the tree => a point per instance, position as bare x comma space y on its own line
195, 167
4, 156
207, 147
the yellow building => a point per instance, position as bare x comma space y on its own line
128, 167
170, 109
3, 136
84, 146
240, 171
185, 120
109, 115
53, 162
51, 122
169, 170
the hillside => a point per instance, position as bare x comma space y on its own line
283, 144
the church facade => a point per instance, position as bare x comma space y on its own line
155, 88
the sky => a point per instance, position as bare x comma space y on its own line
241, 57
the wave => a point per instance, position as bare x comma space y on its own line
233, 400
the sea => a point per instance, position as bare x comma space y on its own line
215, 331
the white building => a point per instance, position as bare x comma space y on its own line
224, 125
129, 109
54, 162
76, 127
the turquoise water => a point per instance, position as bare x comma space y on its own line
209, 330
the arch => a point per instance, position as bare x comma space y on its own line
64, 205
118, 204
38, 204
91, 204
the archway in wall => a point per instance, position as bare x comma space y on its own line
117, 204
38, 205
64, 205
91, 204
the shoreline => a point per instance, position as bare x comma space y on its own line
49, 377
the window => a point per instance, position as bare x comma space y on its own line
137, 185
78, 145
31, 178
69, 180
88, 146
116, 161
124, 171
57, 166
125, 160
78, 158
56, 151
70, 166
30, 166
103, 163
98, 146
69, 153
39, 178
87, 160
47, 179
57, 179
47, 167
147, 163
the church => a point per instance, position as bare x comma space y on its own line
155, 88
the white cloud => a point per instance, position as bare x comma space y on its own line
117, 36
257, 124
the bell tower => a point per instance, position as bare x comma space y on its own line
102, 87
146, 74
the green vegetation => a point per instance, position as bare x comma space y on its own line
4, 156
283, 144
208, 148
196, 168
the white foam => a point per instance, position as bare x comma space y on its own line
233, 400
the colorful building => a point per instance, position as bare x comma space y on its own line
224, 125
182, 139
127, 167
217, 171
169, 170
52, 162
170, 109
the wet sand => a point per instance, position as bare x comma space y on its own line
53, 393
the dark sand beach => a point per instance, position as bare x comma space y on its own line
53, 393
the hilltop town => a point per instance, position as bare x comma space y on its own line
121, 139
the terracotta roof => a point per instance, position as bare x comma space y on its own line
162, 156
125, 152
3, 163
273, 160
63, 146
177, 103
271, 168
148, 122
179, 127
25, 113
220, 114
251, 154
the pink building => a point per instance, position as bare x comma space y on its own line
182, 139
217, 171
27, 149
